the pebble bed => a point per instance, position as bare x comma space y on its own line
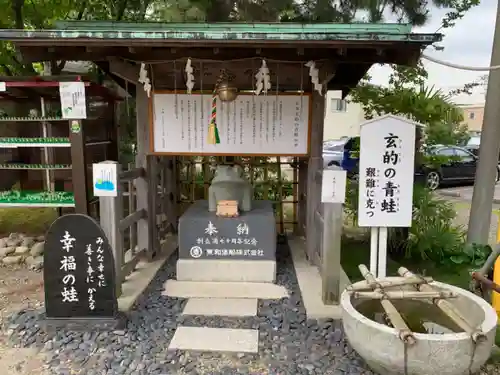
288, 342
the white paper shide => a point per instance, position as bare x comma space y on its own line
386, 167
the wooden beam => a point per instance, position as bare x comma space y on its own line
132, 218
79, 167
141, 184
127, 71
355, 53
314, 164
132, 174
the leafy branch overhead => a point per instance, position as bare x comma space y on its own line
406, 95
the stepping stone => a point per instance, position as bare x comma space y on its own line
207, 289
221, 307
215, 339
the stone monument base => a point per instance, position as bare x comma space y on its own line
227, 249
255, 271
119, 322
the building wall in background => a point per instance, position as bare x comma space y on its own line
342, 118
473, 116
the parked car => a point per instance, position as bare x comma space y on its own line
344, 153
461, 167
473, 144
333, 152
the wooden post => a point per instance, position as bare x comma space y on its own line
330, 258
154, 239
315, 163
171, 192
111, 213
79, 167
141, 184
302, 197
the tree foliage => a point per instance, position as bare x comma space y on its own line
407, 96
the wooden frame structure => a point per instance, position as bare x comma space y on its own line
95, 140
342, 53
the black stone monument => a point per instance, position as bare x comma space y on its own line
79, 276
204, 235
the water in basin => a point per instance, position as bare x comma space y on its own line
420, 316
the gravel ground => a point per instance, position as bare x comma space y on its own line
289, 344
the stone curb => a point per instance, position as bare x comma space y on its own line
456, 194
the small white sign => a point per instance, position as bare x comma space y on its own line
3, 87
73, 105
386, 169
105, 179
333, 186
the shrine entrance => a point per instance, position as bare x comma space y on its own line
274, 178
203, 93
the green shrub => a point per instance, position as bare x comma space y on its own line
474, 255
433, 235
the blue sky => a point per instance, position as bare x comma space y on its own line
468, 43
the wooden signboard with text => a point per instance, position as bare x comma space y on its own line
263, 125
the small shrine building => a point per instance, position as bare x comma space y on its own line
281, 72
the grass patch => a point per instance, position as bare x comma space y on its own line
356, 251
32, 221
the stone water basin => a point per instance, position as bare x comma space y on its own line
432, 354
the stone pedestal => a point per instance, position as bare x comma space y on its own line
227, 249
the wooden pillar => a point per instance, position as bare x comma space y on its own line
302, 196
110, 214
171, 193
330, 256
314, 164
153, 182
79, 167
112, 131
141, 184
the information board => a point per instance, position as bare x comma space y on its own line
249, 125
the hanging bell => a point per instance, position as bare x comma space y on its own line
226, 92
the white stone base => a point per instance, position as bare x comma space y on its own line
210, 289
221, 307
256, 271
215, 339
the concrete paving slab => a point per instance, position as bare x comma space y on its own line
310, 283
135, 284
252, 271
207, 289
215, 339
221, 307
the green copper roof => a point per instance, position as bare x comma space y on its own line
357, 32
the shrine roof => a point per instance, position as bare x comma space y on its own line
244, 32
351, 48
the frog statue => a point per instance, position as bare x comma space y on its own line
229, 184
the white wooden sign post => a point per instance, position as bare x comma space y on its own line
386, 171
